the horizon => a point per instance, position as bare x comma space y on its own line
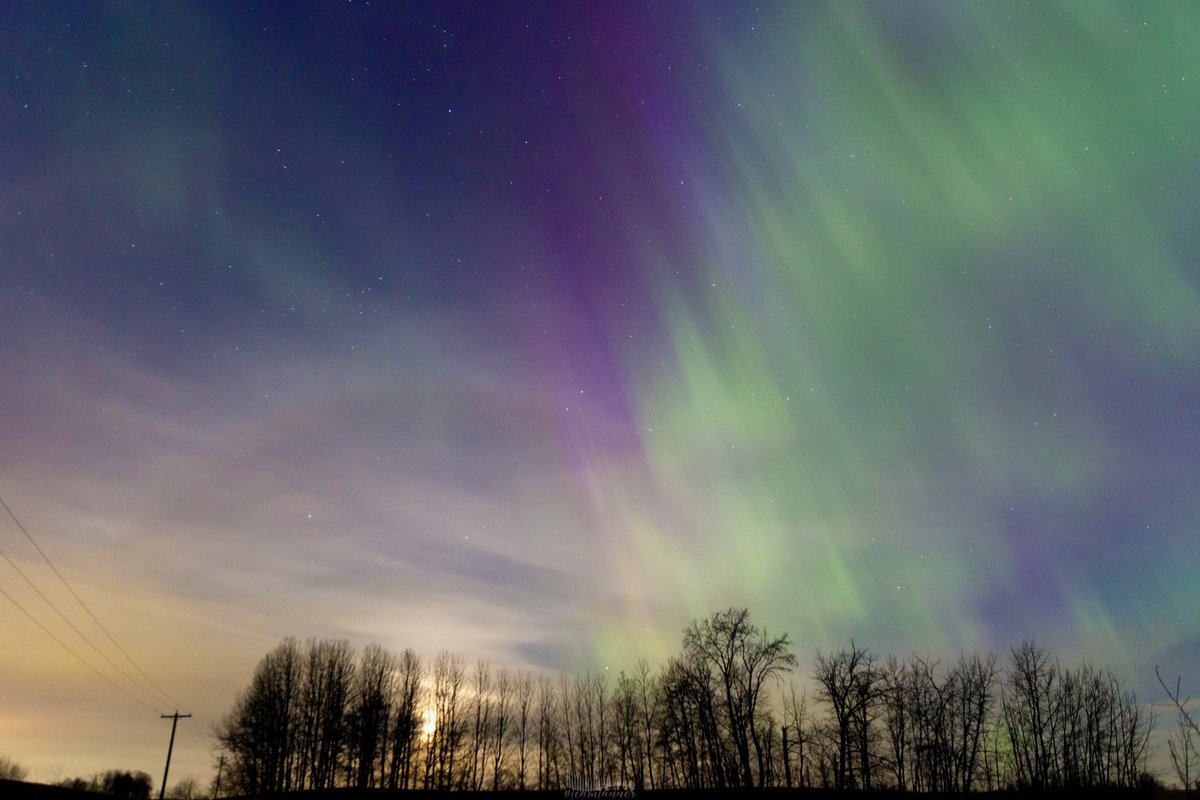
534, 333
800, 676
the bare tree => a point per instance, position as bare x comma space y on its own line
481, 704
371, 713
1182, 743
186, 789
568, 725
1031, 716
524, 719
583, 711
445, 742
406, 722
694, 751
625, 719
1071, 728
897, 692
325, 693
929, 711
548, 735
850, 683
602, 738
260, 733
501, 730
742, 658
648, 719
10, 770
797, 735
970, 693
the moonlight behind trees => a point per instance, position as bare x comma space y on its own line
722, 713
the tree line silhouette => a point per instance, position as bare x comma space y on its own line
119, 784
717, 714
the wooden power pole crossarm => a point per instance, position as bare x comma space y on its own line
162, 791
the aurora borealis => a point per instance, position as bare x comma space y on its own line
533, 332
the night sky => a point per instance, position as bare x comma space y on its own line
532, 331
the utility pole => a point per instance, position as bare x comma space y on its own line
171, 746
220, 768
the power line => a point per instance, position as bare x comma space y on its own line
80, 658
73, 627
162, 692
84, 605
196, 740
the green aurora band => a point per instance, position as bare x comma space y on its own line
915, 276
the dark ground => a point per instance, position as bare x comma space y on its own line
16, 790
